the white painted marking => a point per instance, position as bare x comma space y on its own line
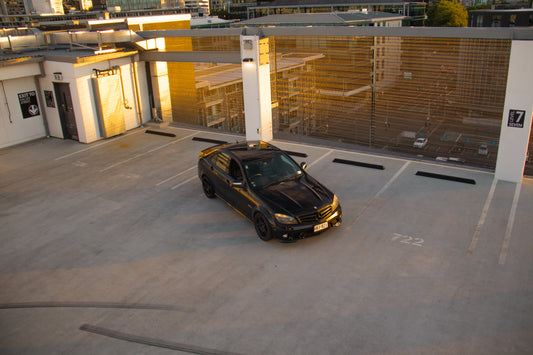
385, 187
145, 153
407, 239
482, 218
322, 157
174, 176
97, 145
122, 162
404, 166
182, 183
510, 223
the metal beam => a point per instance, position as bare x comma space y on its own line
191, 56
523, 33
216, 32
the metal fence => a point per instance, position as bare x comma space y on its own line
434, 96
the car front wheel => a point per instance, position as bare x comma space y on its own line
209, 191
262, 227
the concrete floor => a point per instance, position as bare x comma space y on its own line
111, 248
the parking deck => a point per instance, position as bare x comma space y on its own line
112, 248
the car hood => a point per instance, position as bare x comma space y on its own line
296, 196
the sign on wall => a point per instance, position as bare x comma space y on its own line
28, 104
49, 97
516, 118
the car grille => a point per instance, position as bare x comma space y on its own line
316, 216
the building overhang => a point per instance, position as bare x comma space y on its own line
20, 60
80, 58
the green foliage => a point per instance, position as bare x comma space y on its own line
447, 14
479, 7
223, 14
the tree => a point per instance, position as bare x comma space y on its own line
447, 14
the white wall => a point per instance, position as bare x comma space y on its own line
83, 102
47, 83
14, 128
85, 97
47, 7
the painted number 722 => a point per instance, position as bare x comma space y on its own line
407, 240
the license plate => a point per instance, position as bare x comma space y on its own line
320, 226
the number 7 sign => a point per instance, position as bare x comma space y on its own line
516, 118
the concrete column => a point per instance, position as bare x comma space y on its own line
256, 88
517, 114
161, 86
161, 90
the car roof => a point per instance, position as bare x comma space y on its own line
251, 150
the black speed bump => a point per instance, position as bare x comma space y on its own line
358, 163
446, 177
159, 133
208, 140
296, 154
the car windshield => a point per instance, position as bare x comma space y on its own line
271, 170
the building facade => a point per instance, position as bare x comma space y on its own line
501, 18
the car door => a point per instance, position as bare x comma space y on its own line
241, 196
230, 185
219, 171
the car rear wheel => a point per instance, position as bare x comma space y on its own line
209, 191
262, 227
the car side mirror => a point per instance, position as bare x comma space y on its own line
303, 165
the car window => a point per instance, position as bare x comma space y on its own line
270, 170
235, 170
222, 162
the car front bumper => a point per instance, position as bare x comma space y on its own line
290, 233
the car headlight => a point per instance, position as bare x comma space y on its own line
283, 218
335, 203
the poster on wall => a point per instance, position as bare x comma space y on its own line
49, 97
28, 104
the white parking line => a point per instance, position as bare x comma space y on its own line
385, 187
322, 157
482, 219
404, 166
146, 153
174, 176
183, 183
510, 223
97, 145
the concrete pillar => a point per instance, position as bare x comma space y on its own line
256, 87
517, 114
161, 87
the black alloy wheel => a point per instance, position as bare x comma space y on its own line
262, 227
209, 191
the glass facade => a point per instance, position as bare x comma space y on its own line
378, 92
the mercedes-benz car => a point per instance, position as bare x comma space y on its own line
265, 185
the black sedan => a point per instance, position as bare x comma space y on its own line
264, 184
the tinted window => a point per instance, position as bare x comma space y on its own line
235, 170
272, 169
221, 161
